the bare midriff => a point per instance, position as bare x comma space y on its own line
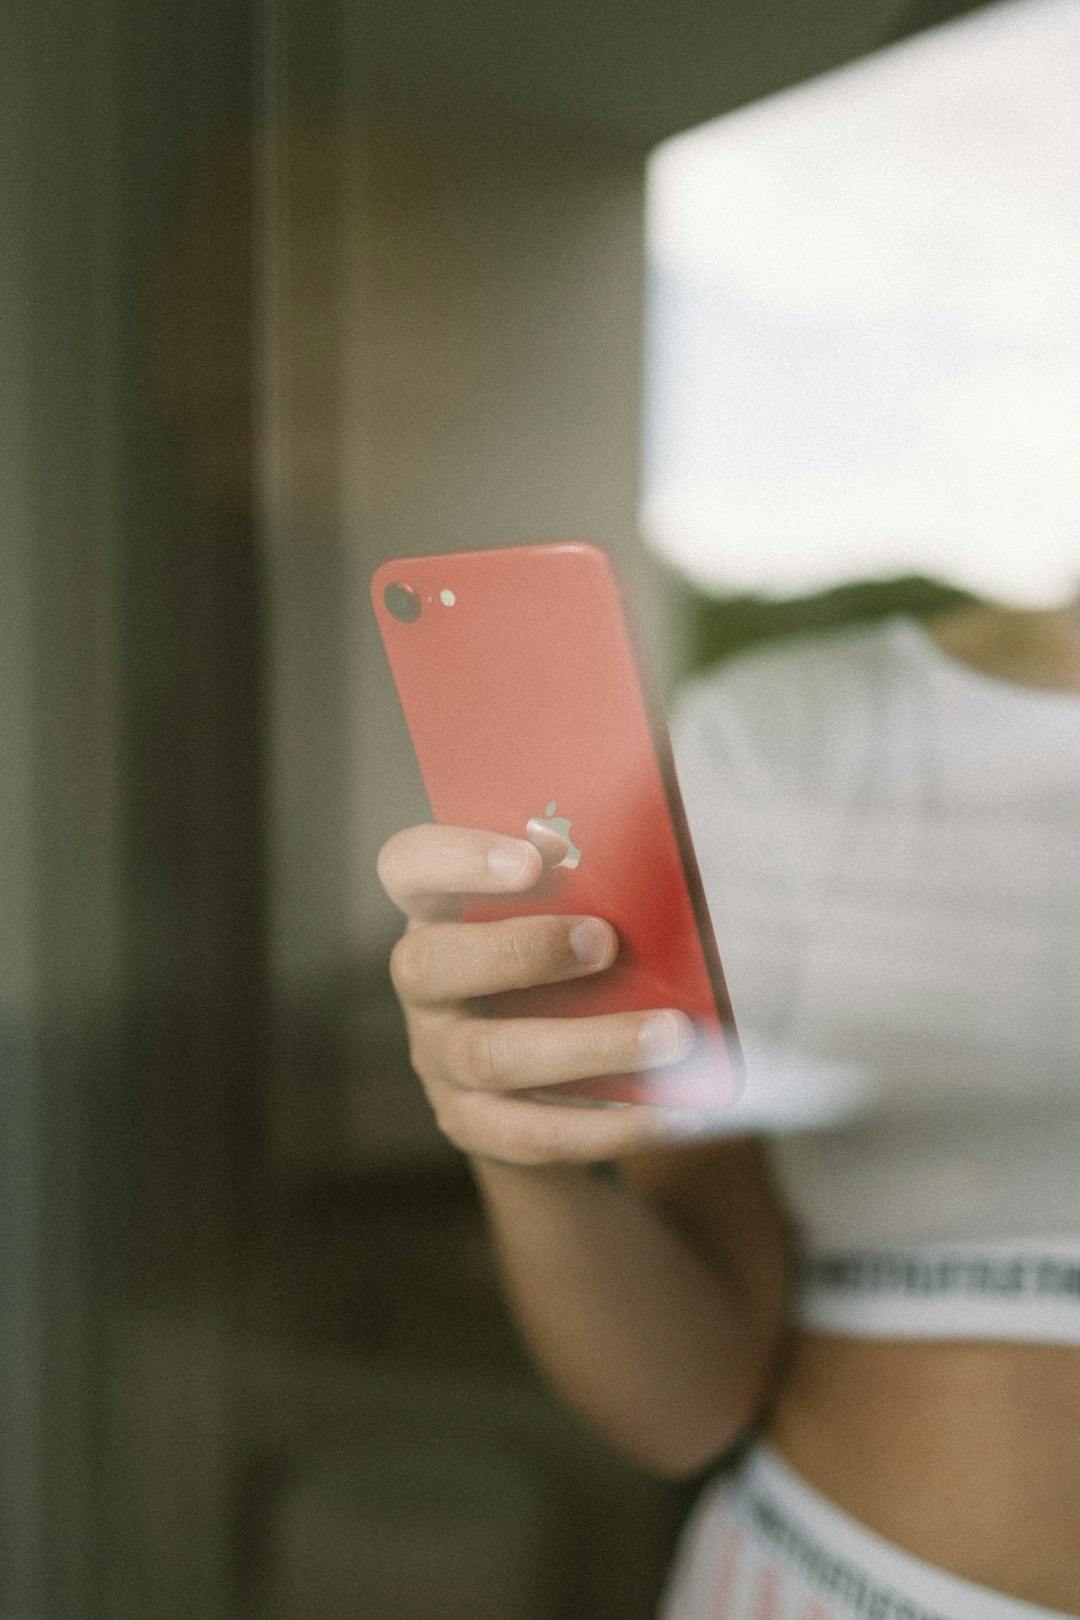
966, 1455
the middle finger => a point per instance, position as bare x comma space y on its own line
446, 962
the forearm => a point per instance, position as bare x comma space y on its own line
660, 1327
633, 1328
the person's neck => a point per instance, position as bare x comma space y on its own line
1032, 647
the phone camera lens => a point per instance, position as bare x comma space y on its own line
403, 603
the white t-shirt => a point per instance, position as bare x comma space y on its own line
890, 845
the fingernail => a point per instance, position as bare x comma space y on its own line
510, 860
664, 1036
590, 941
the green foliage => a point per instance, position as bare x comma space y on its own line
717, 627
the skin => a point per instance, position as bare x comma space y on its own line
658, 1304
966, 1454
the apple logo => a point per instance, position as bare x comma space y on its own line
557, 824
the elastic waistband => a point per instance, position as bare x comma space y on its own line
857, 1573
1027, 1292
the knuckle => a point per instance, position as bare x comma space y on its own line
537, 1153
521, 1146
517, 950
425, 1055
449, 1121
531, 951
406, 965
500, 1142
600, 1047
465, 1119
600, 1043
555, 1145
388, 862
469, 1055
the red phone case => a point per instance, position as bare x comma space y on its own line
526, 696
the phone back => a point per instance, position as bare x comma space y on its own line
526, 697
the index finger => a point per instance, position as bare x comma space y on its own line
426, 869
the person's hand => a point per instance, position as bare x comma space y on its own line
479, 1071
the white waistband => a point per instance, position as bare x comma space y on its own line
863, 1570
764, 1542
1027, 1291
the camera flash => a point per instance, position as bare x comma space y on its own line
447, 598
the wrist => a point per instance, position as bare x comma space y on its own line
501, 1181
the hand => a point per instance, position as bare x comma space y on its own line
478, 1072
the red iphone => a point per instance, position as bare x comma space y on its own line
527, 699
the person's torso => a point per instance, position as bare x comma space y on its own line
891, 848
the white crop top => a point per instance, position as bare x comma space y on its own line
890, 843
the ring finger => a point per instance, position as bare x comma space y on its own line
521, 1054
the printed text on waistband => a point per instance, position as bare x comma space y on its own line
1000, 1277
832, 1576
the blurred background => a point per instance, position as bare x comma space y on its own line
290, 288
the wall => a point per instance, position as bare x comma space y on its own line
473, 312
